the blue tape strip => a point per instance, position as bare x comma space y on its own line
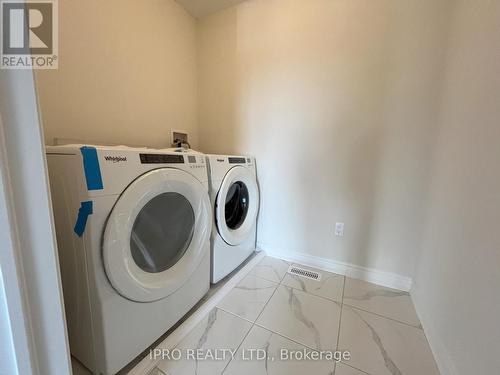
91, 168
86, 209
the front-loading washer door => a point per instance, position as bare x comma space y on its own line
156, 234
237, 205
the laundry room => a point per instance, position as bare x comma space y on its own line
250, 187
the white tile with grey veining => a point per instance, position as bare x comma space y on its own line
272, 269
341, 369
216, 333
248, 298
329, 286
310, 320
382, 346
156, 371
261, 354
387, 302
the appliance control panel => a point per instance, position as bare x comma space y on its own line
196, 161
242, 160
237, 160
161, 159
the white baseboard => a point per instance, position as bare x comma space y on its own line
387, 279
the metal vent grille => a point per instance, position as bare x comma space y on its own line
302, 272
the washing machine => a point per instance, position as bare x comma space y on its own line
234, 196
133, 228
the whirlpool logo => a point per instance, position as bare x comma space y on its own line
115, 159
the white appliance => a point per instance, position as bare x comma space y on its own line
133, 228
234, 196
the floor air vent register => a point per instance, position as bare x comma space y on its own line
302, 272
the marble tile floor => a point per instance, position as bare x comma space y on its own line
271, 314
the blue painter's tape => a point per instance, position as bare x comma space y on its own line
86, 209
91, 168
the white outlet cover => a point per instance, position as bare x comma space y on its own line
339, 229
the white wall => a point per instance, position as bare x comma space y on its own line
458, 279
127, 73
336, 99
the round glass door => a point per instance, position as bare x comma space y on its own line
157, 234
236, 207
237, 204
158, 240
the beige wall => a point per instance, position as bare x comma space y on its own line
457, 283
336, 99
127, 73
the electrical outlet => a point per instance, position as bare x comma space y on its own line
339, 229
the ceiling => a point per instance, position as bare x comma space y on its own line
200, 8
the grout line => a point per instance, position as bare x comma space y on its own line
261, 278
270, 298
283, 277
340, 318
280, 283
338, 303
146, 364
296, 342
236, 315
343, 303
343, 288
312, 294
264, 278
244, 319
385, 317
280, 334
248, 320
237, 348
355, 368
253, 323
289, 338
